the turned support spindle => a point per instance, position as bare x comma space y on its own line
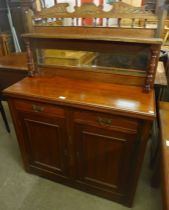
30, 63
151, 71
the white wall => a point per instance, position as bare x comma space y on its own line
50, 3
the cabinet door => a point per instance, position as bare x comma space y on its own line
104, 157
43, 140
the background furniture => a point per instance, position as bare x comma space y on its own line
153, 4
164, 119
4, 44
12, 69
18, 9
160, 82
4, 50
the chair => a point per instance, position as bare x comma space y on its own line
4, 44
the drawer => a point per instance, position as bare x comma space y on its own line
38, 107
105, 120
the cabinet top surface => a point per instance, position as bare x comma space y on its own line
106, 97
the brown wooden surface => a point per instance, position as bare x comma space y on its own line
118, 32
126, 99
164, 126
105, 34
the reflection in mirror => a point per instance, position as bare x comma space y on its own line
65, 57
137, 61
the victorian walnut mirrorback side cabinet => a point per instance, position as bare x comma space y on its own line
84, 114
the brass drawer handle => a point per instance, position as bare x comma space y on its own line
104, 121
37, 108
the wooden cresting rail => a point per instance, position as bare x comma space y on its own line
120, 16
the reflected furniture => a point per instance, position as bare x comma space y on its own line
85, 123
13, 68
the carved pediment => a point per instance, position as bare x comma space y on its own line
88, 9
119, 10
56, 10
123, 8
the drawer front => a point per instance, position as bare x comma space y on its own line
38, 107
105, 120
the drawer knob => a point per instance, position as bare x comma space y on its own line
104, 121
37, 108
